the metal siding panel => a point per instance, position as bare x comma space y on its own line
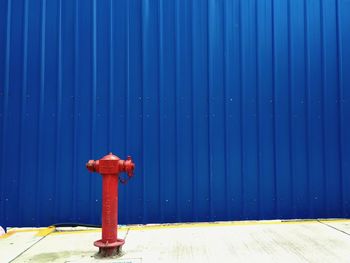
30, 146
331, 110
3, 35
231, 109
315, 121
12, 111
282, 109
76, 116
184, 111
136, 197
6, 29
249, 110
150, 67
101, 47
344, 94
201, 164
119, 86
58, 112
83, 106
167, 93
45, 125
65, 165
95, 193
49, 78
299, 151
217, 113
21, 181
267, 182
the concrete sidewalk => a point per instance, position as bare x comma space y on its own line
261, 241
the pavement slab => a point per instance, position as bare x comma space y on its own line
250, 241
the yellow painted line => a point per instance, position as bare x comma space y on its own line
39, 232
198, 225
8, 234
52, 230
19, 230
45, 231
15, 231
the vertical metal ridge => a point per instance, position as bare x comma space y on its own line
224, 51
127, 62
307, 104
323, 110
290, 112
241, 109
126, 88
20, 126
160, 74
40, 113
58, 112
143, 110
75, 118
92, 179
192, 114
341, 114
194, 167
257, 103
176, 10
23, 107
128, 107
208, 110
276, 210
111, 75
339, 97
5, 104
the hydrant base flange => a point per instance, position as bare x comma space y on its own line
109, 249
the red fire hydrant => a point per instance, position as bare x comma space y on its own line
109, 167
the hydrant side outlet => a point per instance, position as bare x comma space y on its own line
109, 167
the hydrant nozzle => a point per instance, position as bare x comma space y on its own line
109, 167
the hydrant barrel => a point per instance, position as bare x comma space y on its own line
109, 208
109, 167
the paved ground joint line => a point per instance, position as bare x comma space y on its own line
333, 227
127, 232
32, 245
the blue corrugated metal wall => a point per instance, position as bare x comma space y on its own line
231, 109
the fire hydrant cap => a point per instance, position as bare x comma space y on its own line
110, 156
129, 166
91, 166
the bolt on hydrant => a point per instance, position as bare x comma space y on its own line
109, 167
